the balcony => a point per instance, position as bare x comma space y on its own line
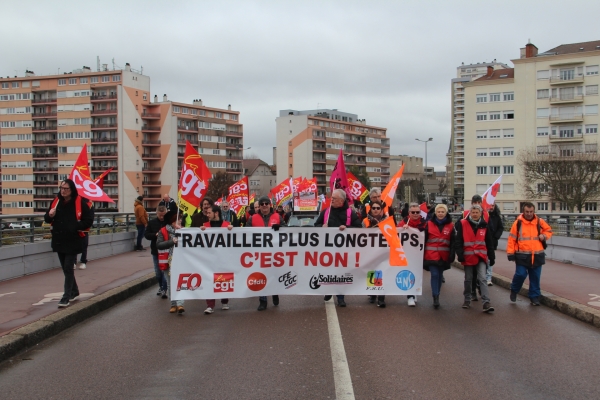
150, 142
150, 115
104, 168
318, 137
234, 170
187, 129
45, 169
44, 142
51, 115
562, 80
319, 159
151, 170
104, 140
565, 137
151, 183
104, 154
44, 155
232, 133
319, 148
193, 142
113, 195
146, 128
111, 182
233, 157
152, 196
150, 156
566, 99
43, 101
104, 112
43, 129
97, 98
49, 196
104, 126
563, 118
45, 183
180, 154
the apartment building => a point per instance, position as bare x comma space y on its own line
309, 143
261, 178
547, 103
46, 120
456, 153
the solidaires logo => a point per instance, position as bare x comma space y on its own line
317, 280
405, 280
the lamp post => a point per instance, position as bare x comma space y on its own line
426, 141
239, 147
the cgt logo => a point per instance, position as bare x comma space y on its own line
375, 278
188, 282
223, 282
288, 279
405, 280
256, 281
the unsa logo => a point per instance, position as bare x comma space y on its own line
256, 281
405, 280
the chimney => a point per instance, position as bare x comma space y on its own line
530, 50
490, 71
229, 107
127, 67
200, 102
156, 98
29, 73
164, 97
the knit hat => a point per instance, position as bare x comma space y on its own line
140, 198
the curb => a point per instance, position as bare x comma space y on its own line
568, 307
30, 335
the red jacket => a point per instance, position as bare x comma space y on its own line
475, 249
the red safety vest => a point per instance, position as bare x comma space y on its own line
224, 224
474, 244
163, 255
438, 243
257, 220
77, 211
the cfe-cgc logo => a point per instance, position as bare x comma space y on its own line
256, 281
189, 282
288, 279
223, 282
405, 280
317, 280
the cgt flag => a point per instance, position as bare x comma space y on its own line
100, 180
86, 187
339, 179
489, 197
359, 191
193, 182
238, 195
282, 193
397, 255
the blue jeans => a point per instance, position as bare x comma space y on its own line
488, 274
437, 273
476, 272
535, 274
160, 275
141, 229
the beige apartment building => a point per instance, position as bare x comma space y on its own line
261, 178
46, 120
313, 139
456, 152
548, 103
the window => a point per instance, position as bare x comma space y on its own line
145, 97
543, 113
591, 206
116, 78
542, 206
494, 97
184, 110
567, 152
509, 115
176, 109
591, 110
495, 152
543, 93
218, 115
508, 206
591, 90
542, 150
83, 80
494, 133
508, 188
591, 128
481, 116
233, 117
563, 207
72, 81
481, 152
508, 133
4, 85
480, 188
495, 170
482, 98
494, 115
543, 74
591, 70
94, 79
481, 170
481, 134
62, 82
106, 79
509, 169
509, 151
542, 131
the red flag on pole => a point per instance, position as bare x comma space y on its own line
489, 197
238, 195
100, 180
339, 180
80, 174
193, 182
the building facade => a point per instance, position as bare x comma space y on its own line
547, 104
46, 120
309, 142
261, 178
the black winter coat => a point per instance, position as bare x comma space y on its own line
338, 216
154, 225
65, 227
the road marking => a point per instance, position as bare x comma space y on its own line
50, 297
6, 294
341, 372
594, 300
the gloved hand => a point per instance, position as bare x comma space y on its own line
492, 262
511, 257
275, 227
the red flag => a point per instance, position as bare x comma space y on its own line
80, 174
424, 210
489, 197
193, 182
238, 195
282, 192
359, 191
100, 180
339, 180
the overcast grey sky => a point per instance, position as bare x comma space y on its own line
390, 62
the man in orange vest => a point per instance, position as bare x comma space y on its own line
265, 216
526, 244
474, 247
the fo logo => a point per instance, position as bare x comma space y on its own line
405, 280
256, 281
223, 282
375, 278
188, 282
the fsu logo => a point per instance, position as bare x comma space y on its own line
223, 282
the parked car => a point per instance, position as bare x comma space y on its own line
19, 225
103, 223
3, 226
582, 223
303, 219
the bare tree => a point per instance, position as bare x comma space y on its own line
442, 186
567, 174
219, 185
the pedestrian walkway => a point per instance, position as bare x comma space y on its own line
27, 299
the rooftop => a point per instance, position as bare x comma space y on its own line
573, 48
505, 73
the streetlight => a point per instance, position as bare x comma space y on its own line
239, 147
425, 141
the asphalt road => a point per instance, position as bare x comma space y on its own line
138, 350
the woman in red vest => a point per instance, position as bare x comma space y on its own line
215, 221
439, 249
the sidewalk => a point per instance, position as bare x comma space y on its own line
33, 297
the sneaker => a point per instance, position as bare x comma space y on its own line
411, 302
173, 309
159, 293
474, 297
535, 301
513, 296
225, 307
341, 303
262, 305
276, 300
82, 266
209, 310
328, 297
490, 283
180, 310
466, 304
73, 298
163, 294
381, 303
63, 303
487, 307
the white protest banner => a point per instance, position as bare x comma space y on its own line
245, 262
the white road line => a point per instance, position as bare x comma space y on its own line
341, 372
6, 294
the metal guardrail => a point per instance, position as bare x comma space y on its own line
34, 229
